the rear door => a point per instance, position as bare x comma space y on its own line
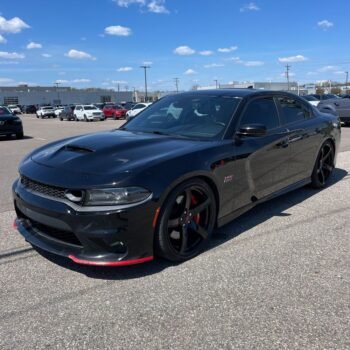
304, 137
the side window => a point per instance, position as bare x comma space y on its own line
293, 110
261, 111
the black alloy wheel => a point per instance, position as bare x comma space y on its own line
324, 165
186, 222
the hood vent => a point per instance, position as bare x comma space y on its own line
78, 149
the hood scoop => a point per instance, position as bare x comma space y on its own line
78, 149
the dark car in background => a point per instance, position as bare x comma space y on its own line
30, 109
10, 124
338, 106
114, 111
161, 184
66, 113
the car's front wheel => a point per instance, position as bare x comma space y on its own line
324, 166
187, 220
20, 135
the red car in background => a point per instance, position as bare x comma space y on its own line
114, 111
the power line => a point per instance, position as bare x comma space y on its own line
145, 69
177, 84
287, 74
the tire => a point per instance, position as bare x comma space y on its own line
186, 222
324, 166
76, 118
85, 118
61, 119
20, 135
115, 117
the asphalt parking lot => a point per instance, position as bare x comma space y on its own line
276, 278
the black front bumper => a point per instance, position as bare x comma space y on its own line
94, 238
11, 129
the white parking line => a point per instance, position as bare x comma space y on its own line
39, 139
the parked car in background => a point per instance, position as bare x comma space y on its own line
66, 113
10, 124
99, 105
30, 109
58, 110
337, 106
322, 97
14, 109
137, 109
114, 111
129, 105
88, 113
45, 112
311, 99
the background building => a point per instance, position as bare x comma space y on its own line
49, 95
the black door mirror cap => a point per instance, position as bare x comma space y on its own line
255, 130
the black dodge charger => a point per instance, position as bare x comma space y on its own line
10, 124
162, 183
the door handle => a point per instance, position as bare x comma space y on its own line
283, 144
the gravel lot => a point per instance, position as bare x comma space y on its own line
276, 278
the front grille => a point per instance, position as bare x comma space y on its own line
50, 191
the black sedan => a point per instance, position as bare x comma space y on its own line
162, 183
10, 124
339, 106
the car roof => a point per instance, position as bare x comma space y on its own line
242, 93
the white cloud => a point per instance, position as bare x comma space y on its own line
80, 55
228, 49
213, 65
206, 53
2, 40
61, 81
127, 3
46, 55
14, 25
328, 68
6, 81
80, 81
157, 6
190, 72
124, 69
325, 24
184, 51
11, 55
119, 82
118, 31
33, 45
311, 73
253, 63
252, 6
297, 58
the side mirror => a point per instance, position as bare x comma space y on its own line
254, 130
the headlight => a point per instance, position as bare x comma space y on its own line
116, 196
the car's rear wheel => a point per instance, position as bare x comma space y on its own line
186, 221
324, 166
76, 118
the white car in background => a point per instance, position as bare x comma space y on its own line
137, 109
14, 109
46, 111
58, 110
311, 99
88, 113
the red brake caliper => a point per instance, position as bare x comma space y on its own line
194, 201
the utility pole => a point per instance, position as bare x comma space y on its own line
346, 80
216, 83
58, 93
145, 69
177, 84
287, 74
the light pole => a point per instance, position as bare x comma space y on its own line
216, 83
145, 69
58, 93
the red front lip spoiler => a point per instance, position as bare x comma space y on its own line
110, 263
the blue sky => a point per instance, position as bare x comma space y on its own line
101, 43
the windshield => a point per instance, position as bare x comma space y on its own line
4, 110
89, 108
198, 116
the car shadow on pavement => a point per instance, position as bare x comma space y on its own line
254, 217
13, 138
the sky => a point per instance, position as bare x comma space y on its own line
103, 43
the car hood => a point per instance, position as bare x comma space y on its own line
112, 152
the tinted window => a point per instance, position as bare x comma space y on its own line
261, 111
293, 110
4, 110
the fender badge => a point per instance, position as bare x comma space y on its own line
228, 178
